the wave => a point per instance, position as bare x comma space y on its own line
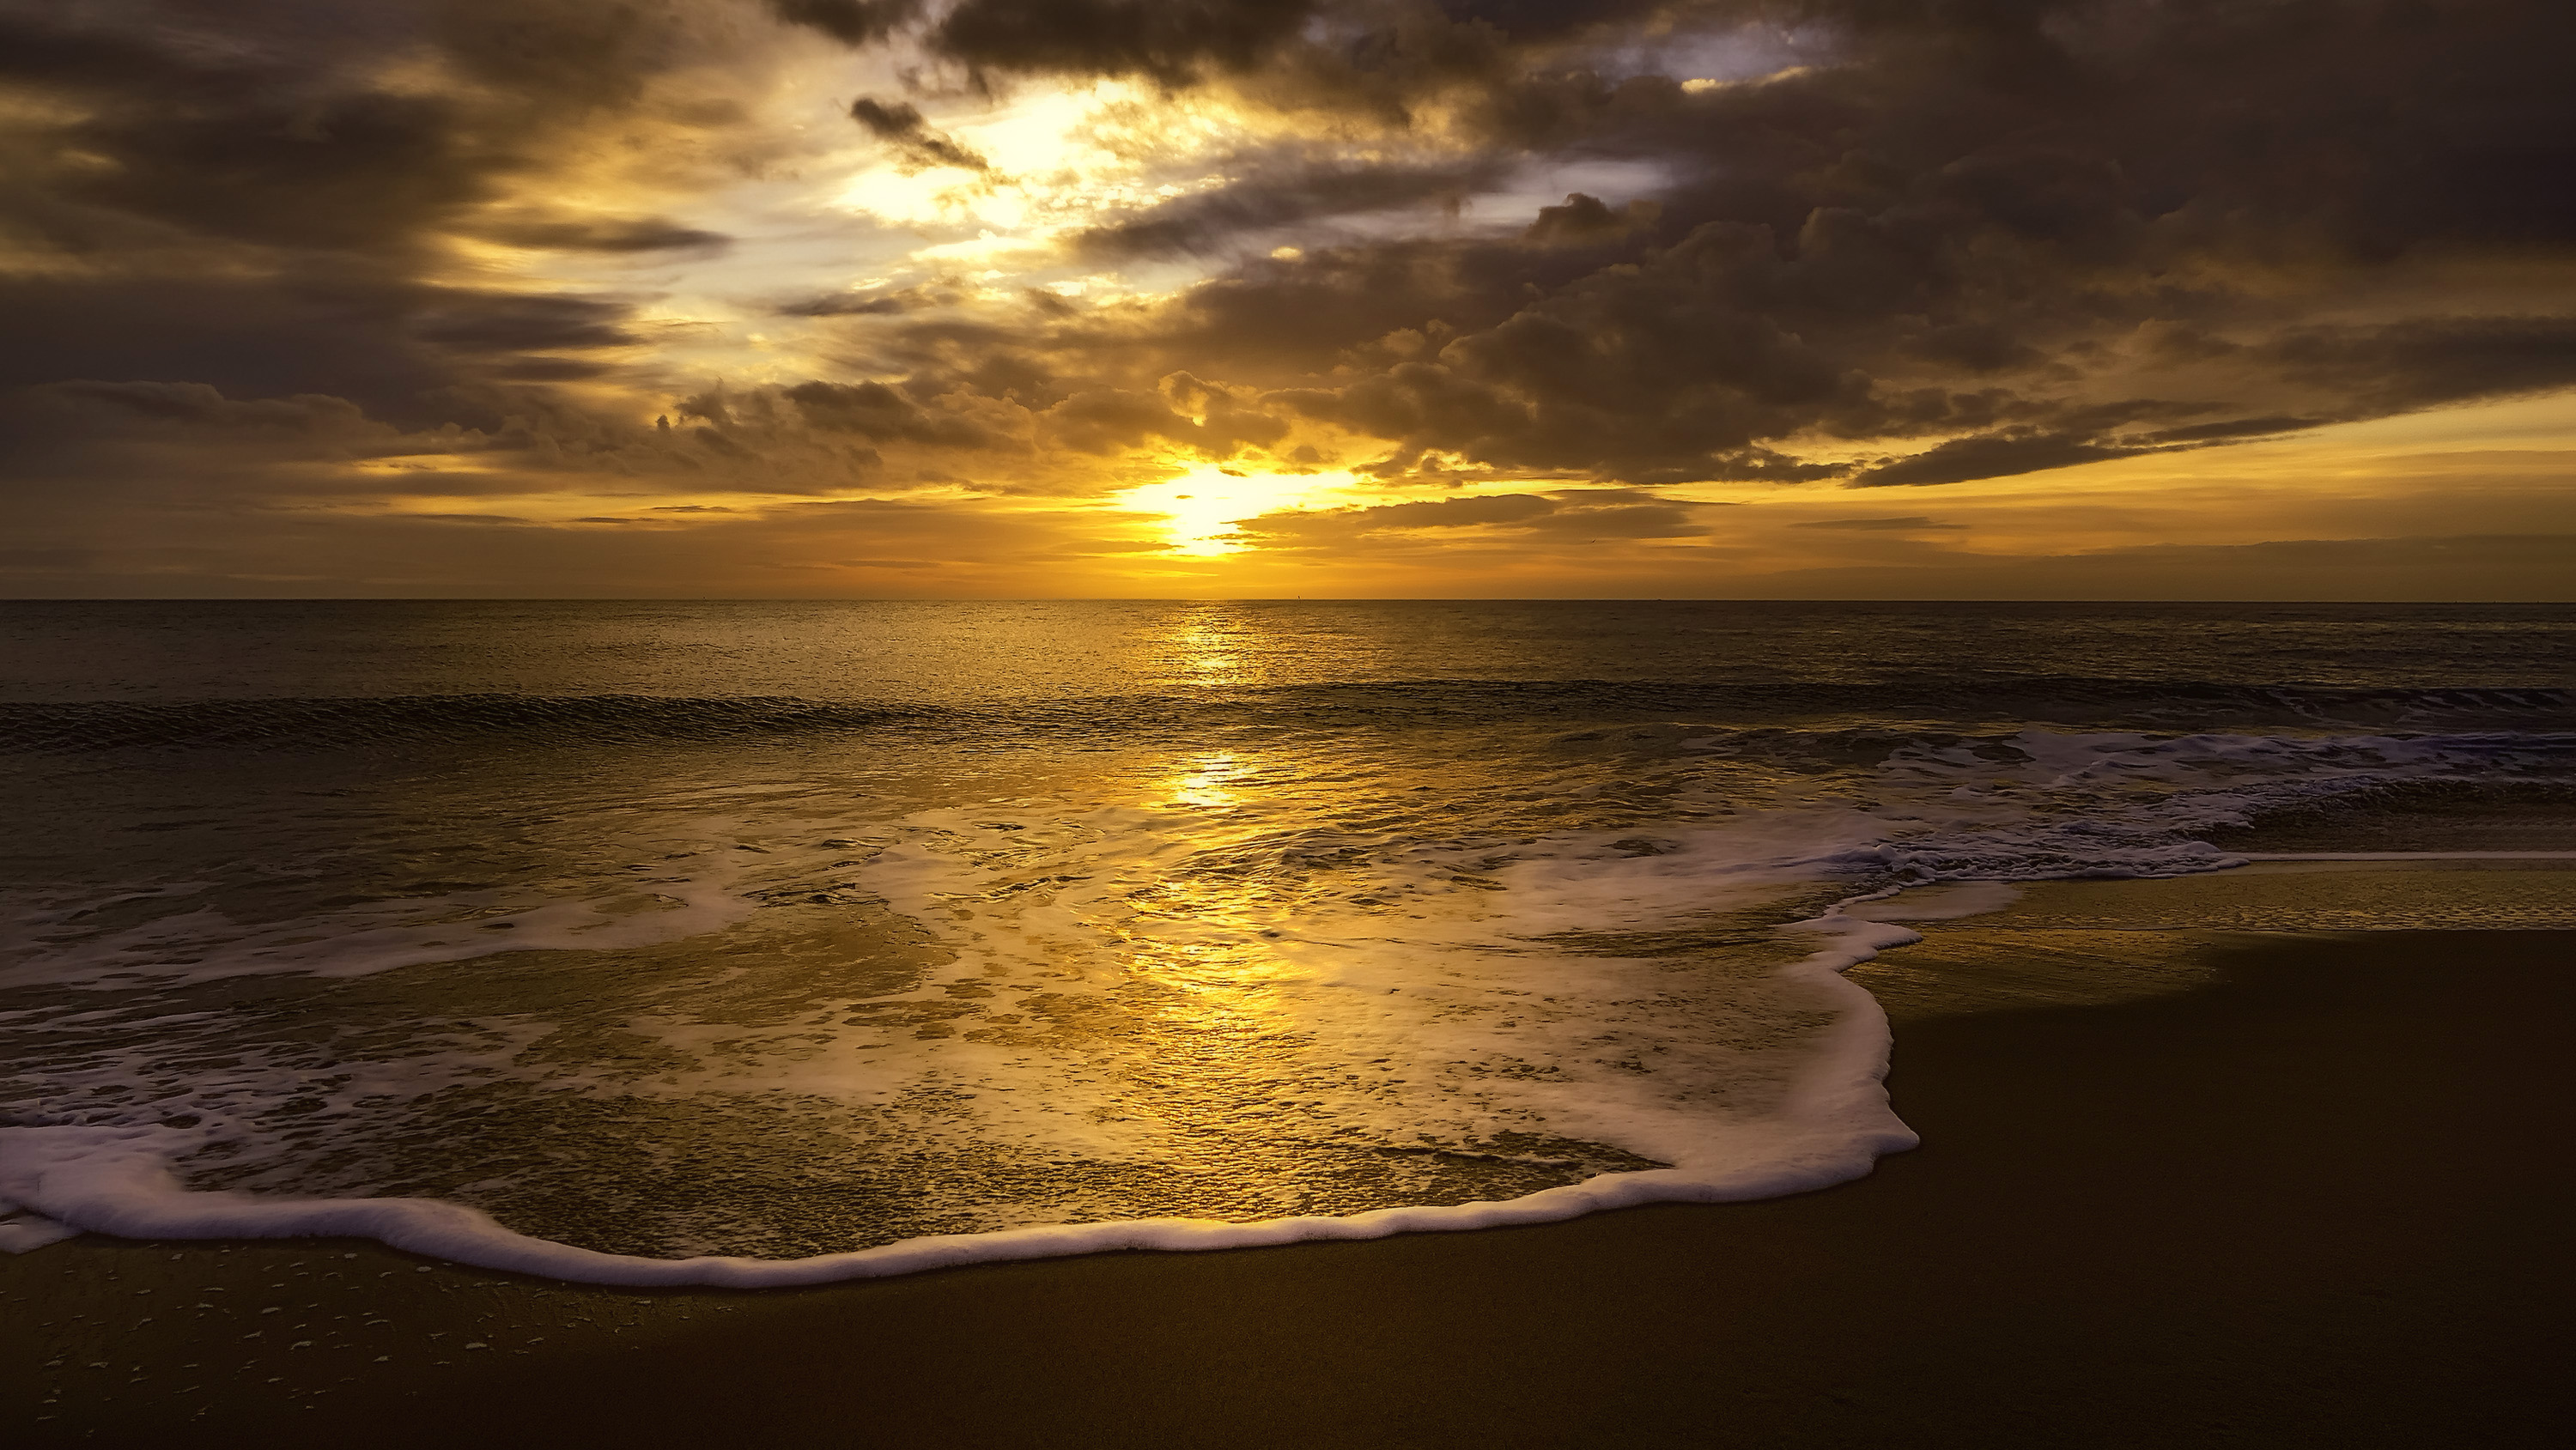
1345, 930
409, 720
262, 724
59, 1180
1967, 698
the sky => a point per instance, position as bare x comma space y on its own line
1885, 299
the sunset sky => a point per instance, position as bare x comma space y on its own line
2232, 299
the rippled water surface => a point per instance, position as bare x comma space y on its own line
781, 930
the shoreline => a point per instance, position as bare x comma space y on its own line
2309, 1196
1838, 1129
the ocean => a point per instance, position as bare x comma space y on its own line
773, 943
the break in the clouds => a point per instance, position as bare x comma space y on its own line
1316, 296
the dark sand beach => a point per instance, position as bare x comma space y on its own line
2311, 1191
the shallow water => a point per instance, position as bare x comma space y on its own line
778, 931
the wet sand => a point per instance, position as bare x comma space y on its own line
2297, 1190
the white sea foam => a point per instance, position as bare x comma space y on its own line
20, 1231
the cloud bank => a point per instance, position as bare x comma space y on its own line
837, 296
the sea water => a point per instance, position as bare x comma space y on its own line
756, 943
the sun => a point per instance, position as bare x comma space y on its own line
1203, 505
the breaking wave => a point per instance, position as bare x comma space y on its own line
484, 719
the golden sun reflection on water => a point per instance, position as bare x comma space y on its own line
1213, 645
1218, 1056
1205, 782
1170, 962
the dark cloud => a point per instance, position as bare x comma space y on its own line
632, 234
239, 134
846, 306
325, 332
1377, 54
1535, 19
1974, 347
1633, 521
1452, 513
1671, 364
1753, 464
901, 125
2423, 362
188, 410
1531, 520
853, 22
1172, 40
1586, 221
1183, 411
348, 172
483, 324
1274, 196
880, 412
2232, 430
197, 403
1989, 455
